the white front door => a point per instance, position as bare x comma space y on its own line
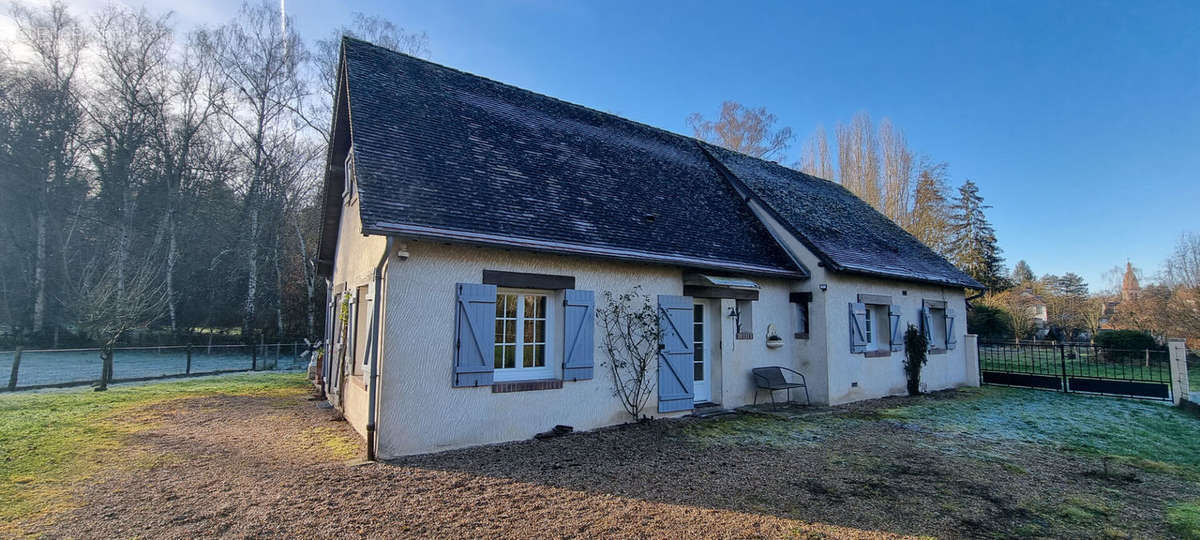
701, 361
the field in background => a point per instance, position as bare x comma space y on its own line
41, 368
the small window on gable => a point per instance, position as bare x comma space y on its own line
524, 335
349, 180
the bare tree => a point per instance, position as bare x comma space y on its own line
1018, 308
1182, 268
194, 97
742, 129
897, 173
56, 41
929, 221
631, 340
1181, 273
258, 61
858, 159
816, 159
325, 58
133, 50
1092, 315
109, 305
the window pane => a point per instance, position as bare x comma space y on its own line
510, 331
698, 371
698, 312
540, 360
498, 361
499, 331
510, 305
510, 356
529, 333
541, 306
697, 332
500, 305
527, 356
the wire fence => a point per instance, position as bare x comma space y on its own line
49, 368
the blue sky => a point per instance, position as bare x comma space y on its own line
1080, 121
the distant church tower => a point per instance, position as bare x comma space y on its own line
1129, 284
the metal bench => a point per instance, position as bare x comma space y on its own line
772, 379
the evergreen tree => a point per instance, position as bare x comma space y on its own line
973, 240
1071, 284
1021, 273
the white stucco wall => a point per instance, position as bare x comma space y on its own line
884, 376
354, 265
421, 412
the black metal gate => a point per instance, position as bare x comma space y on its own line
1077, 368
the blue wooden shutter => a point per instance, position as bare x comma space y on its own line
951, 339
897, 334
858, 327
579, 328
475, 334
927, 325
675, 354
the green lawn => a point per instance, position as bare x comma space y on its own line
1154, 435
50, 439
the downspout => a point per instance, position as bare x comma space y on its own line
373, 347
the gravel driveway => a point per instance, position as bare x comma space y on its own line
278, 467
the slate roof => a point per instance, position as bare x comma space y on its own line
445, 154
437, 148
845, 232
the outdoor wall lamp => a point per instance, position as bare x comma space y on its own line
823, 287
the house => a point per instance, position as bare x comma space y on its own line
470, 229
1036, 306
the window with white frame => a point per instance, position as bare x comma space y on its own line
524, 330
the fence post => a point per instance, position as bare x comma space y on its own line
1179, 370
1062, 358
16, 366
971, 351
188, 370
253, 356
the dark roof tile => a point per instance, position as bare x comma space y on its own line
841, 229
435, 147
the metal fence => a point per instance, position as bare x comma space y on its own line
48, 368
1077, 368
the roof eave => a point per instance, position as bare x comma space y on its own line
565, 248
912, 279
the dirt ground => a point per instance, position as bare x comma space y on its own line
275, 467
